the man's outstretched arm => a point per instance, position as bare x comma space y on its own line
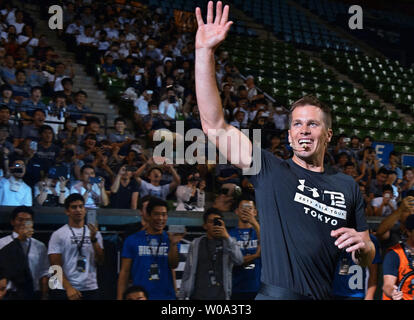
230, 141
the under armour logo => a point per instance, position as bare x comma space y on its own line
302, 188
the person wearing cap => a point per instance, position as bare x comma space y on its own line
398, 262
34, 254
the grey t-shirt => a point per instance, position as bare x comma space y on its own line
210, 258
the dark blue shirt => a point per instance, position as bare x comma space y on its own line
246, 278
146, 250
298, 209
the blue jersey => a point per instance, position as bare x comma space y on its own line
149, 254
355, 283
246, 278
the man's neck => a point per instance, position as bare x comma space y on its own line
152, 231
315, 165
76, 224
243, 225
45, 144
155, 184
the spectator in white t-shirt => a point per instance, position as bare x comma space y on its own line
93, 193
18, 22
141, 104
153, 187
170, 106
385, 205
77, 248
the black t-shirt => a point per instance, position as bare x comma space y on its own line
298, 209
209, 264
122, 199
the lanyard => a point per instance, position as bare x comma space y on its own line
28, 247
245, 243
80, 244
213, 258
150, 247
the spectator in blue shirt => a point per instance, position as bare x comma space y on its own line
78, 110
33, 102
108, 67
8, 71
356, 282
21, 90
6, 97
246, 278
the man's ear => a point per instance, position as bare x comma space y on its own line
329, 135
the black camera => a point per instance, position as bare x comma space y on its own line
194, 179
133, 169
16, 170
172, 99
217, 222
224, 191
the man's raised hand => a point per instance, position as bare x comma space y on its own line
211, 34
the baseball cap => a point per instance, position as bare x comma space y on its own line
409, 222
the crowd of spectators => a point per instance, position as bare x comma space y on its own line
52, 145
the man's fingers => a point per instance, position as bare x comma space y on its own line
353, 248
219, 12
225, 15
210, 12
199, 18
338, 232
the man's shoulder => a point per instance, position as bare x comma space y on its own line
61, 231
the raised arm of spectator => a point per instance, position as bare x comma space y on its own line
141, 170
104, 195
208, 38
176, 178
117, 180
387, 224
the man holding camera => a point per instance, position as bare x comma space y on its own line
208, 268
91, 188
14, 191
246, 278
124, 190
26, 264
191, 196
171, 106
